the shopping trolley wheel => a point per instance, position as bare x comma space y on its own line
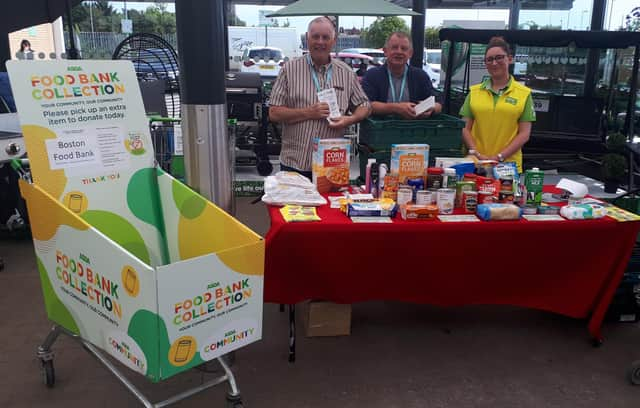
264, 167
634, 373
48, 373
234, 401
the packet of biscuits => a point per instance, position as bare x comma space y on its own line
330, 164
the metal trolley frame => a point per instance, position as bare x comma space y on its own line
46, 355
162, 135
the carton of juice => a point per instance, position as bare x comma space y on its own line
409, 161
330, 164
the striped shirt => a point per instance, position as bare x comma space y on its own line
295, 89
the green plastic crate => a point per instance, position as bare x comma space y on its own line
441, 132
384, 156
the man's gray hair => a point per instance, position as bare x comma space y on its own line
323, 19
401, 35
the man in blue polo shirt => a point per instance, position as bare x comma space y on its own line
396, 87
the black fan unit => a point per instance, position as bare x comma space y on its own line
154, 59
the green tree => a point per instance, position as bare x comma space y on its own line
81, 16
233, 19
431, 37
141, 24
376, 34
162, 21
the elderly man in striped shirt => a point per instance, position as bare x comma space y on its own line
295, 98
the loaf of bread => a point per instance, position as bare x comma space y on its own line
497, 212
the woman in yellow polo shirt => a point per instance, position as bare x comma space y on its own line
498, 112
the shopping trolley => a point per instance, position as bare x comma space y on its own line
46, 355
164, 132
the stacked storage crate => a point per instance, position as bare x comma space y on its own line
443, 134
625, 305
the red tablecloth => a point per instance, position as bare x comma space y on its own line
567, 267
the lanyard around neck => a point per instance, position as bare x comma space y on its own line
393, 88
314, 75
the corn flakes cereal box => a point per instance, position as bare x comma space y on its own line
330, 164
409, 160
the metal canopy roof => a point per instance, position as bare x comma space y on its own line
438, 4
447, 4
546, 38
342, 8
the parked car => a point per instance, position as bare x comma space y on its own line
377, 54
266, 61
431, 65
356, 60
156, 63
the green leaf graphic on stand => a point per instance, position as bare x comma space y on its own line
141, 328
56, 310
189, 203
143, 197
119, 230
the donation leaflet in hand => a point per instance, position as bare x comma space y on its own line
425, 105
329, 97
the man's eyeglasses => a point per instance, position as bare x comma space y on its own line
497, 58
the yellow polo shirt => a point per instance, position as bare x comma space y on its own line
496, 116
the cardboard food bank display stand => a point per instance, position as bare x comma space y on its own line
131, 261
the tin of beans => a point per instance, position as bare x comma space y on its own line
469, 201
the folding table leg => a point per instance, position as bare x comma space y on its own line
292, 333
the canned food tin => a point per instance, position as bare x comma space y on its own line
506, 183
405, 195
469, 201
446, 200
461, 187
434, 195
486, 197
529, 209
469, 177
505, 197
423, 197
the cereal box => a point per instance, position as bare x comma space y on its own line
330, 165
409, 160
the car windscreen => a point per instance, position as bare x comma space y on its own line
265, 54
433, 57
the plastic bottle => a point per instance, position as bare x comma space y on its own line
373, 188
534, 181
382, 172
521, 193
367, 175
